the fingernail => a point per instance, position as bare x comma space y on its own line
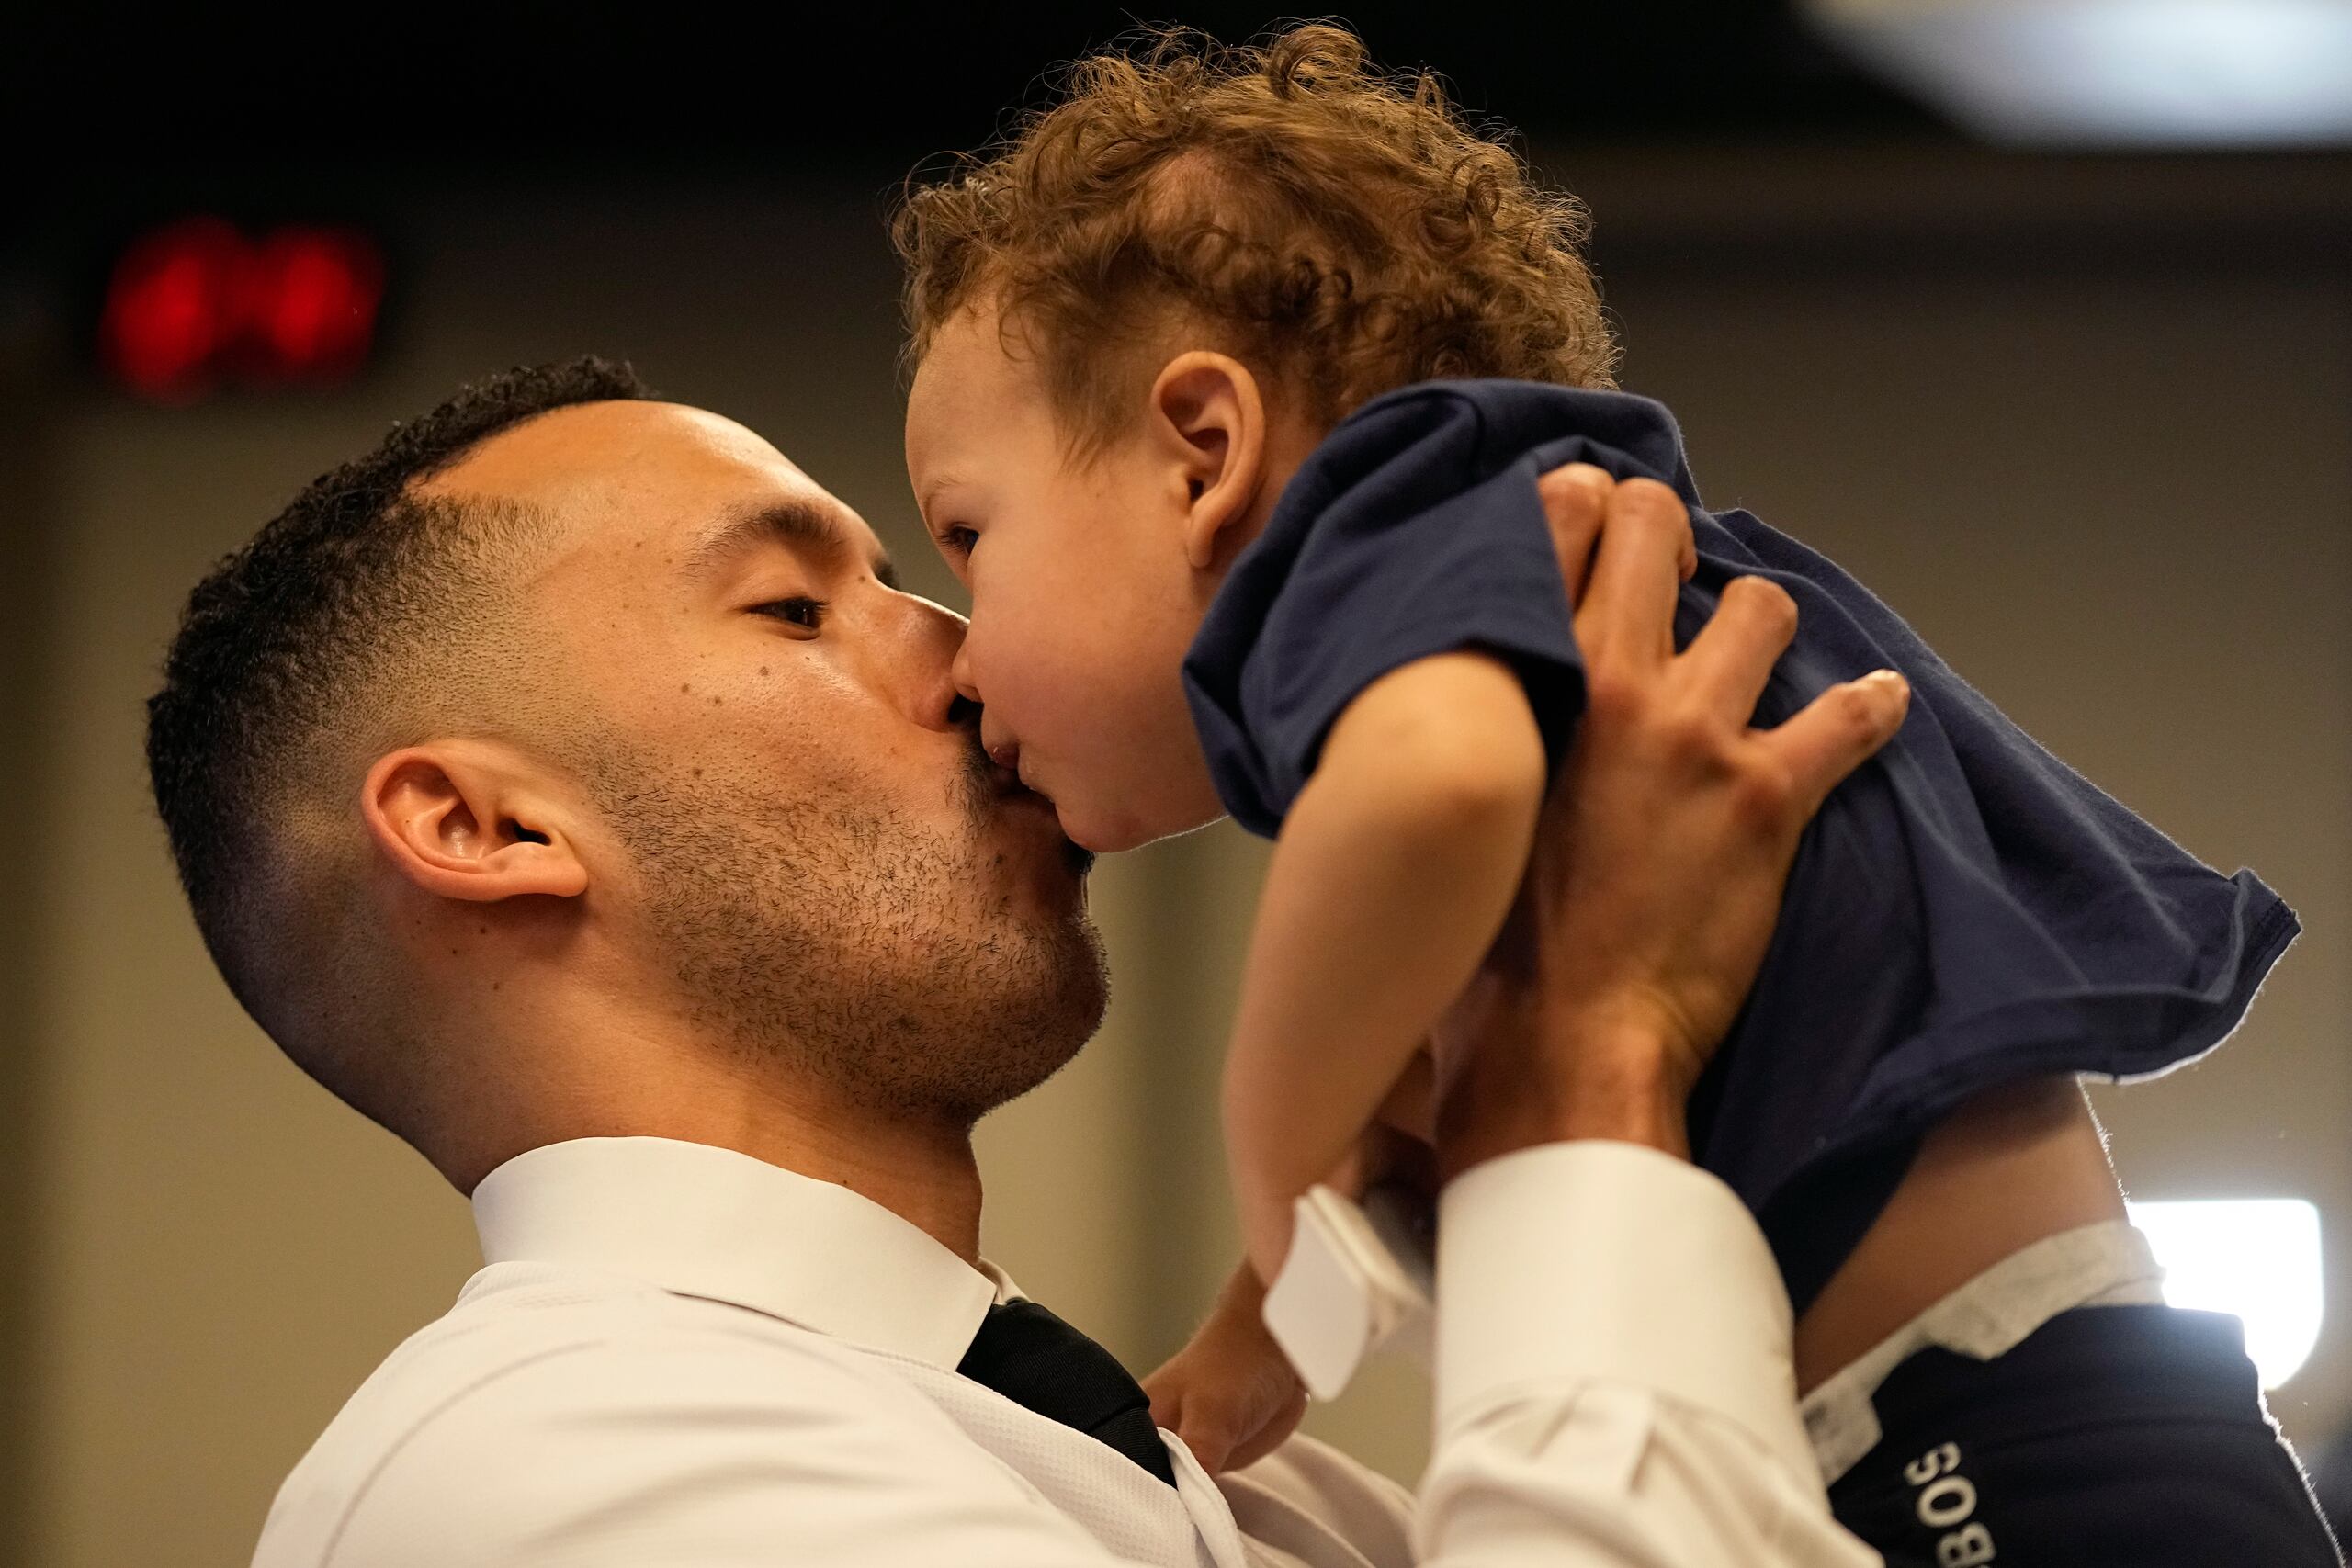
1888, 680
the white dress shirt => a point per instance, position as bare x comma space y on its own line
680, 1355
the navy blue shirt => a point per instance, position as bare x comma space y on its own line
1966, 911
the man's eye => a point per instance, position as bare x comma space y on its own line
808, 612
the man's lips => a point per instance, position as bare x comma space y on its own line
1005, 755
1005, 785
1004, 779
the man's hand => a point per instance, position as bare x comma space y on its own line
1657, 873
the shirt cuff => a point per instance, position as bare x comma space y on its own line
1601, 1262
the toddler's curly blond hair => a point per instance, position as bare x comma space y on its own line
1339, 229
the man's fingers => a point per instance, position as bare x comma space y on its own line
1627, 613
1836, 733
1575, 497
1733, 655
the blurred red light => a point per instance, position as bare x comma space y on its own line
170, 307
199, 301
314, 301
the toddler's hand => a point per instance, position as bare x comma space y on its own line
1229, 1393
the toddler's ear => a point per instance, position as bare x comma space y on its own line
1212, 420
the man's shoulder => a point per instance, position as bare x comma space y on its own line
477, 1428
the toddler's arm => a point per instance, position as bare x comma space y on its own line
1392, 875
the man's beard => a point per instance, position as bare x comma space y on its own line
836, 937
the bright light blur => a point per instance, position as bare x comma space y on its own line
2116, 72
197, 301
2256, 1257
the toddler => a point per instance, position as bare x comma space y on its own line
1235, 374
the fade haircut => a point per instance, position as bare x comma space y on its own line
1342, 228
307, 643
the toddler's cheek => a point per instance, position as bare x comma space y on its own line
1102, 808
1104, 832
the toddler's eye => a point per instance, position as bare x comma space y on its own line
808, 612
957, 540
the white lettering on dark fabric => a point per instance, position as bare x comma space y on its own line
1946, 1501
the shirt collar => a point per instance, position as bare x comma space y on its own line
700, 1220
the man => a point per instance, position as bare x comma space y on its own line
566, 786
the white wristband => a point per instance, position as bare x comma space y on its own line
1357, 1278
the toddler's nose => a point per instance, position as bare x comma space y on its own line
960, 672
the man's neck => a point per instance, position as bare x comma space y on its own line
923, 1171
925, 1175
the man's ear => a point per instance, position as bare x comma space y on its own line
459, 821
1208, 410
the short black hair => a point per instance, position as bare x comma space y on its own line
282, 636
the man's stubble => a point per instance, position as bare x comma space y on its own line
836, 937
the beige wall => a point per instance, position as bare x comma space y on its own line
2096, 450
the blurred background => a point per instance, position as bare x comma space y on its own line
2036, 316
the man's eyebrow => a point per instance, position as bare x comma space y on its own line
797, 524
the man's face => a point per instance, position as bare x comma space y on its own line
806, 844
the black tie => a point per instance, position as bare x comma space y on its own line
1028, 1355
